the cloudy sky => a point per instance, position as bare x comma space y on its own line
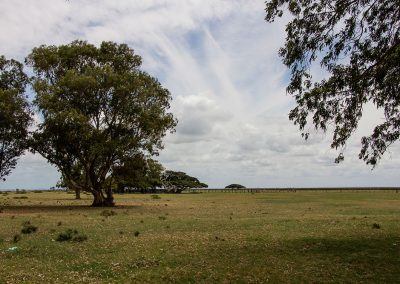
219, 60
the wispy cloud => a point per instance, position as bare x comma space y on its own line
219, 60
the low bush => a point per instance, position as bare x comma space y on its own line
155, 196
16, 238
376, 226
71, 235
28, 228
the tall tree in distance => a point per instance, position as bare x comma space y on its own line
176, 182
98, 108
358, 43
15, 115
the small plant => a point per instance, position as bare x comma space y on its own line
155, 196
162, 218
107, 213
136, 233
71, 235
59, 223
20, 197
16, 238
28, 228
376, 226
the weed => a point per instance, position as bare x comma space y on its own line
28, 228
155, 196
59, 223
16, 238
71, 235
162, 218
20, 197
376, 226
136, 233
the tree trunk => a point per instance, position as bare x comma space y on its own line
77, 193
99, 200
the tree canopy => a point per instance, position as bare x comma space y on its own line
176, 182
98, 109
15, 115
358, 43
138, 173
235, 185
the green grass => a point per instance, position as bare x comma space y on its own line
286, 237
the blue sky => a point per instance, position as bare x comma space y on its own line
219, 60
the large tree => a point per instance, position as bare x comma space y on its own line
98, 108
138, 173
176, 182
15, 115
358, 43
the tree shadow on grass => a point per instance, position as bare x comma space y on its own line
370, 259
15, 209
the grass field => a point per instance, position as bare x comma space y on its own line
286, 237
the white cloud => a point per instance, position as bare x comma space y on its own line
219, 60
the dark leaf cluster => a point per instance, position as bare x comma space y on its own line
15, 114
357, 42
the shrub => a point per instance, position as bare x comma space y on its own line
155, 196
71, 235
16, 238
20, 197
28, 228
376, 226
136, 233
162, 218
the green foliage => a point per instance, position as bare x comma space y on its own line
16, 238
176, 182
376, 226
358, 44
155, 196
235, 185
98, 108
28, 228
138, 173
15, 115
71, 235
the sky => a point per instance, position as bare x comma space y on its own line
219, 59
